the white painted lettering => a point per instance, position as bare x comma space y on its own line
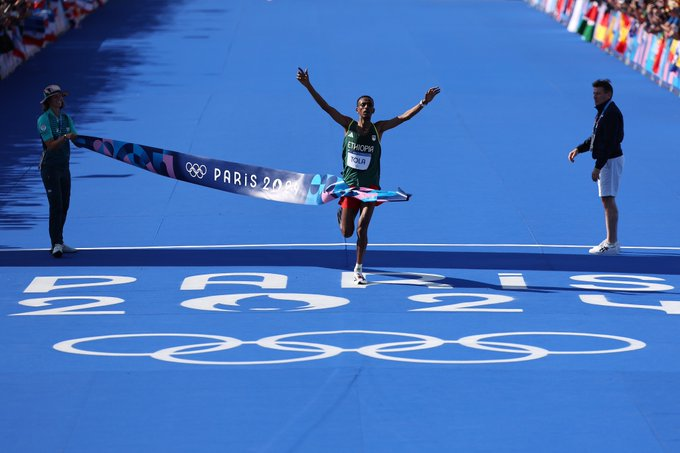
311, 301
670, 307
266, 280
100, 301
47, 284
613, 282
486, 299
512, 280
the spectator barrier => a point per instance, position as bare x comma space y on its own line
28, 26
643, 34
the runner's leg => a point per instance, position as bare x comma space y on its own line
362, 230
347, 221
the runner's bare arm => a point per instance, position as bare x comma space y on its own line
384, 125
342, 120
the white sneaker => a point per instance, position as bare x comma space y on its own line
359, 279
605, 248
68, 249
58, 250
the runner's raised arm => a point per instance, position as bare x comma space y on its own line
342, 120
384, 125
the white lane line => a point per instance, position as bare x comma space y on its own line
341, 244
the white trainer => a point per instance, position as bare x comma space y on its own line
359, 279
68, 249
58, 250
605, 248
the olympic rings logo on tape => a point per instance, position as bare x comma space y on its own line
196, 170
292, 342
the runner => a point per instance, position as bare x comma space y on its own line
361, 153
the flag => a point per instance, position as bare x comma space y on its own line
637, 45
658, 53
19, 48
601, 27
550, 6
576, 16
559, 9
642, 55
665, 70
587, 26
673, 60
34, 31
609, 35
624, 32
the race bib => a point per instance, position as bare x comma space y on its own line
357, 160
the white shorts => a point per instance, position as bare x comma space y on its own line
610, 177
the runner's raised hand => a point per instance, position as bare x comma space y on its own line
303, 76
431, 93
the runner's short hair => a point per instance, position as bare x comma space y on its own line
604, 83
367, 97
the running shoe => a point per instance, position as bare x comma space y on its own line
68, 249
605, 248
359, 279
57, 250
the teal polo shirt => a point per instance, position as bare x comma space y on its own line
50, 128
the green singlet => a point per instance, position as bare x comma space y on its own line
361, 157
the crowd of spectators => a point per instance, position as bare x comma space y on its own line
26, 26
655, 16
645, 34
13, 12
15, 16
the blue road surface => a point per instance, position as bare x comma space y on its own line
193, 320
